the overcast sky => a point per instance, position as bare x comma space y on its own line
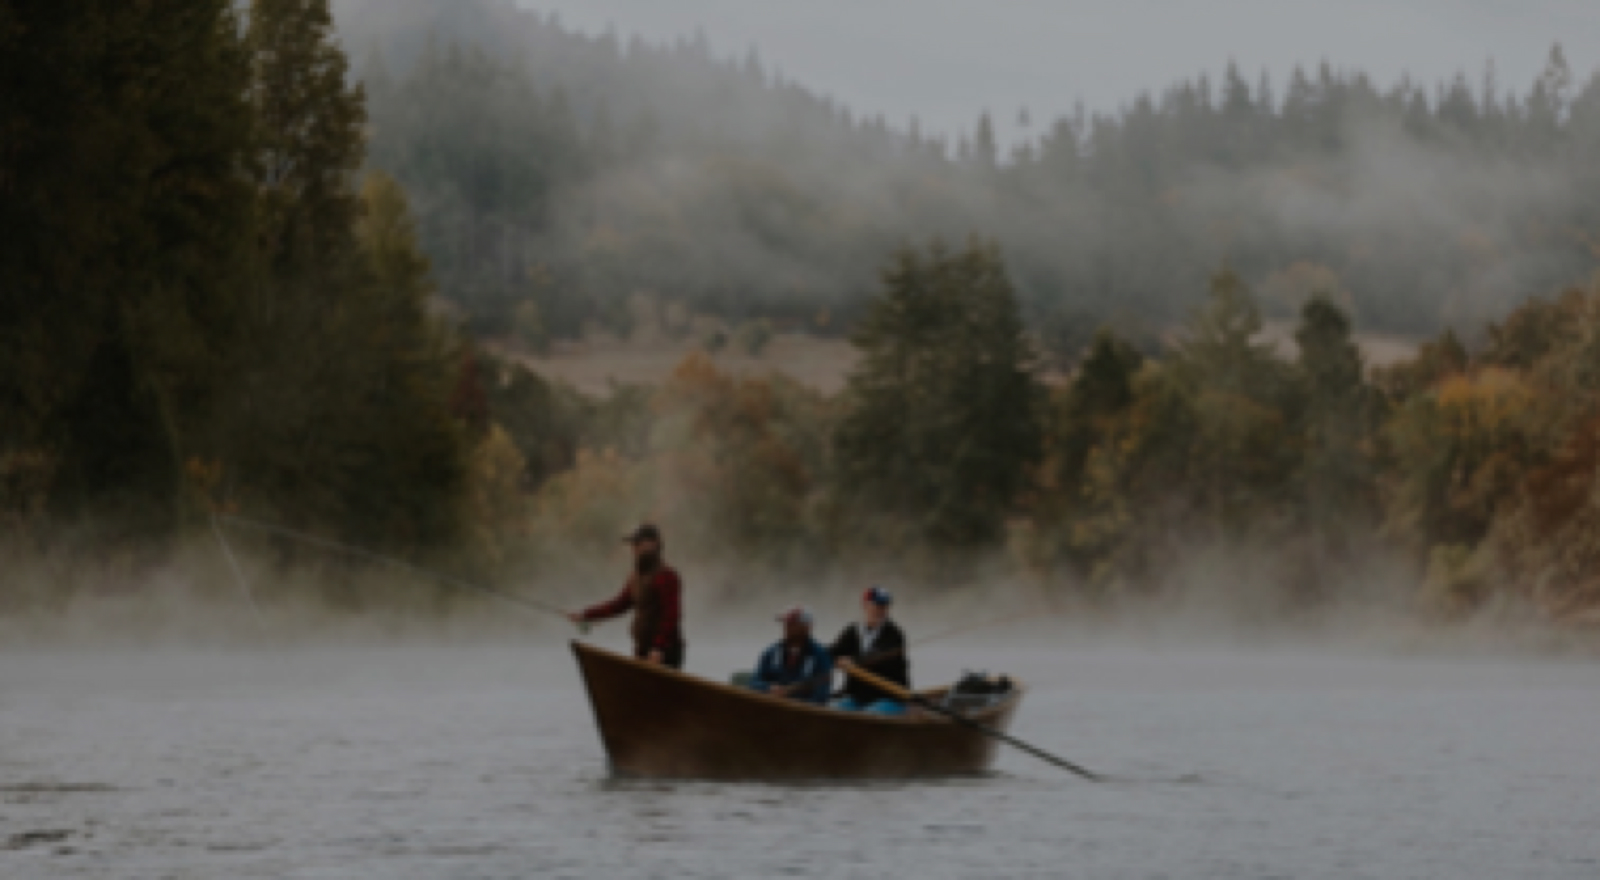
946, 60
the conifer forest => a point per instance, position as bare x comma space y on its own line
300, 262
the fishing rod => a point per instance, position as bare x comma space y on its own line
362, 553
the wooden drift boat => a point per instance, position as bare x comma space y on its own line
658, 722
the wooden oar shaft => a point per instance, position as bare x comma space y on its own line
909, 697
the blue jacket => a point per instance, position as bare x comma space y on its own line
816, 666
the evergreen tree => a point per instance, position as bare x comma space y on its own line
310, 142
985, 147
1219, 348
1336, 474
409, 488
1551, 99
62, 192
1241, 455
1100, 392
341, 419
129, 135
944, 409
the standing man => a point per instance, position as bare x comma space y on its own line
655, 595
876, 645
796, 666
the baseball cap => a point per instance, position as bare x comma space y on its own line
798, 615
878, 596
644, 532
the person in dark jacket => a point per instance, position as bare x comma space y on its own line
655, 596
796, 666
875, 644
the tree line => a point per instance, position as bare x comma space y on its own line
1291, 479
209, 301
214, 300
565, 174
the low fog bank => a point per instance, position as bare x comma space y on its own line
192, 599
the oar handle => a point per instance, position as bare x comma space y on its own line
881, 683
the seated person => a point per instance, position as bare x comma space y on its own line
796, 666
876, 645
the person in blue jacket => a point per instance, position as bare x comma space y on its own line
796, 666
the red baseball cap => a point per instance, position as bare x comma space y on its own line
797, 615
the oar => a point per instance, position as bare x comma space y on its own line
910, 698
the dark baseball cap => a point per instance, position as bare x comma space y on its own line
645, 532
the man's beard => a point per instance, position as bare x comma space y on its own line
645, 564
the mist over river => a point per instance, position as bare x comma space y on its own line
484, 761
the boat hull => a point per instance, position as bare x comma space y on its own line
658, 722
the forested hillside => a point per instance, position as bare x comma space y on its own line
206, 303
576, 172
226, 252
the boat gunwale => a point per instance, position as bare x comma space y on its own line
928, 719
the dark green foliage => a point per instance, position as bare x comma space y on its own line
1101, 390
1339, 419
1220, 347
124, 132
1081, 418
341, 418
1532, 332
193, 283
1330, 363
1243, 402
545, 421
944, 409
116, 463
211, 296
308, 138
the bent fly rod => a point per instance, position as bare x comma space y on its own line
370, 556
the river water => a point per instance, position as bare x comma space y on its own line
483, 762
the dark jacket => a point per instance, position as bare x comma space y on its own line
657, 604
855, 643
811, 665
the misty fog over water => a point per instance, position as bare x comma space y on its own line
1250, 406
483, 762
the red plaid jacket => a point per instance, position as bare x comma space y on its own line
665, 631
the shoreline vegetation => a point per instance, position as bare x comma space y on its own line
432, 309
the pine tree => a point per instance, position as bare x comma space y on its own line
1060, 154
61, 195
1101, 389
1336, 474
130, 132
945, 407
1242, 452
409, 488
341, 420
309, 136
985, 147
1219, 348
1548, 103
